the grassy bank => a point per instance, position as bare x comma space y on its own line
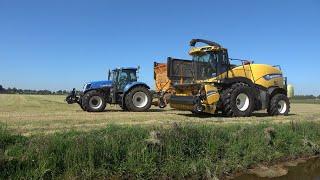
138, 152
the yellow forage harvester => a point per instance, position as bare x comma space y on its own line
214, 84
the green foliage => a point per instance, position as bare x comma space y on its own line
299, 97
198, 151
29, 91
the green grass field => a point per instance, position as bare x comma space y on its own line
306, 101
41, 137
33, 114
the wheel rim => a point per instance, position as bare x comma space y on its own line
140, 99
95, 102
282, 106
242, 102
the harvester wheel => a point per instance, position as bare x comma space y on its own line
279, 105
237, 101
138, 99
94, 101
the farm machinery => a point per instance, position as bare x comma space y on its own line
216, 85
209, 83
121, 88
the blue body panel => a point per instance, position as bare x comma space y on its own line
131, 84
97, 85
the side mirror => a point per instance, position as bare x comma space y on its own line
138, 71
109, 75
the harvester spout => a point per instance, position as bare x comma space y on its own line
193, 42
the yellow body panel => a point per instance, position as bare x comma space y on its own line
212, 94
253, 72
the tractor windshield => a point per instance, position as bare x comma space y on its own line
128, 75
205, 66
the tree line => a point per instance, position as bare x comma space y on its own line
29, 91
306, 97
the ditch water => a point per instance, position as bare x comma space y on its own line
304, 171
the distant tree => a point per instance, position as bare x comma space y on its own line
1, 89
59, 92
304, 97
20, 91
14, 90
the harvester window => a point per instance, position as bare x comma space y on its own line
205, 65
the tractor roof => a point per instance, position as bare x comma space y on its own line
126, 68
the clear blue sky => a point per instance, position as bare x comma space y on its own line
62, 44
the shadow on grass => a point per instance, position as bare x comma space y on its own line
206, 115
203, 115
261, 114
120, 110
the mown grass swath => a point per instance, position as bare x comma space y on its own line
196, 151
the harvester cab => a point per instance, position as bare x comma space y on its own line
217, 85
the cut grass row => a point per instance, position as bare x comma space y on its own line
180, 151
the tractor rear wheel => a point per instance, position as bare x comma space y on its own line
138, 99
279, 105
123, 107
237, 101
81, 104
94, 101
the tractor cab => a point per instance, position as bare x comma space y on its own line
120, 77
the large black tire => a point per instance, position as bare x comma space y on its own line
124, 107
237, 100
279, 105
138, 99
81, 105
94, 101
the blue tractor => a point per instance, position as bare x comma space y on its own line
122, 88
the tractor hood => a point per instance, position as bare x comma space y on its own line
97, 85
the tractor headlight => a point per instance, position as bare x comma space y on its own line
272, 76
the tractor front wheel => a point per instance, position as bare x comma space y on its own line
94, 101
138, 99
